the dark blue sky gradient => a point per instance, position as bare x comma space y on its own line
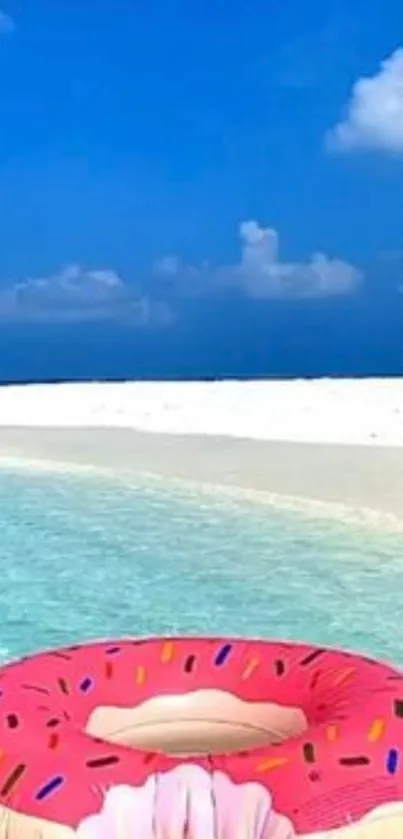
134, 130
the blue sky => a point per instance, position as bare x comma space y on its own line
200, 188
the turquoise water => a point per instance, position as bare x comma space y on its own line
85, 556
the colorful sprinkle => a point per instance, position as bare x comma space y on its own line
167, 652
141, 674
309, 753
312, 657
359, 760
223, 655
63, 686
50, 787
343, 676
59, 654
113, 650
12, 721
86, 684
36, 688
189, 664
315, 679
53, 740
392, 761
250, 668
52, 723
100, 762
108, 670
331, 733
399, 708
376, 730
272, 763
13, 779
279, 667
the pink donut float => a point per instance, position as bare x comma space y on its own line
311, 736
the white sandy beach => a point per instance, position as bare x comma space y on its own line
362, 411
327, 442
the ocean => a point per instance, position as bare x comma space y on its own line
90, 555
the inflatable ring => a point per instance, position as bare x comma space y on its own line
310, 739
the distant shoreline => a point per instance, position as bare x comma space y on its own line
332, 480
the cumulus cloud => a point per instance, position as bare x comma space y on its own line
374, 114
76, 294
260, 273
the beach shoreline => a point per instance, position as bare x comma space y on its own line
335, 480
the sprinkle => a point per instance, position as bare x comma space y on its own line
359, 760
37, 688
63, 686
167, 652
377, 728
53, 740
279, 666
399, 708
100, 762
312, 657
332, 733
189, 663
223, 655
392, 761
112, 650
141, 674
371, 661
12, 721
309, 753
271, 763
86, 684
53, 722
250, 668
12, 779
315, 678
343, 676
108, 670
50, 787
58, 654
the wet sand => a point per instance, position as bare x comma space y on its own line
354, 477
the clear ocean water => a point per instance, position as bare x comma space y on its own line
85, 556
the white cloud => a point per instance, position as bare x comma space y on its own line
6, 23
76, 294
79, 295
374, 114
261, 274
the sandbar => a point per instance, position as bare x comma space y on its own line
334, 478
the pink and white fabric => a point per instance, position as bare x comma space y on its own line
187, 803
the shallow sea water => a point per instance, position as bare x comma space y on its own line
84, 556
